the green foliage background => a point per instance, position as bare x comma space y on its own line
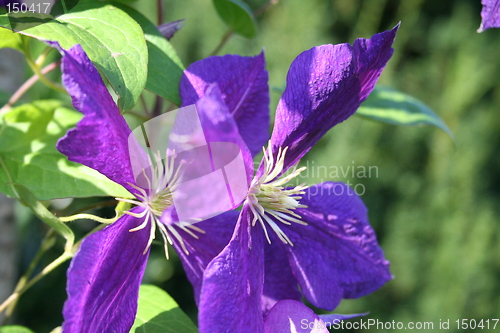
435, 204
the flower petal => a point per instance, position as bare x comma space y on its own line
104, 279
100, 139
169, 29
490, 15
290, 316
219, 126
336, 255
325, 86
279, 281
216, 234
217, 172
232, 284
243, 82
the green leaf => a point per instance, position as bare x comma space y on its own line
15, 329
11, 40
159, 313
238, 16
164, 66
28, 137
394, 107
113, 41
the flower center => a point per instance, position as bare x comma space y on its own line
162, 179
270, 202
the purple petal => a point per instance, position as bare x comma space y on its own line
325, 86
290, 316
169, 29
336, 255
100, 139
279, 281
243, 82
217, 233
219, 126
490, 14
104, 278
232, 284
217, 165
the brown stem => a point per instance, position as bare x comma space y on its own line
26, 85
222, 42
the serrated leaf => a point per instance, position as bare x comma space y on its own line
238, 16
159, 313
10, 39
394, 107
15, 329
28, 137
164, 66
113, 41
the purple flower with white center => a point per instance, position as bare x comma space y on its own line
490, 15
316, 238
105, 274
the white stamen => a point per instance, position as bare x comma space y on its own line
268, 198
155, 199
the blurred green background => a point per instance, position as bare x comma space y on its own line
434, 204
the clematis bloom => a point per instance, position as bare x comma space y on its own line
490, 15
105, 274
314, 237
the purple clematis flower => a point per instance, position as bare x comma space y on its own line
291, 241
105, 274
490, 15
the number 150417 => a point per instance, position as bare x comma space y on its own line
41, 8
477, 324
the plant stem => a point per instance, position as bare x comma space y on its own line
222, 42
264, 7
28, 84
43, 56
47, 243
158, 106
36, 69
49, 268
159, 8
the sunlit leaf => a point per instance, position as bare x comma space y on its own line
10, 39
112, 39
159, 313
238, 16
394, 107
28, 137
15, 329
164, 66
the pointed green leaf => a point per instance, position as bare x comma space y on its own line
164, 66
15, 329
28, 137
159, 313
238, 16
113, 41
394, 107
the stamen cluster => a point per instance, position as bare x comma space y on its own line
268, 198
162, 179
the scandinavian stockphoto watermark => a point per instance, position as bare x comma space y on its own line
353, 175
183, 164
376, 324
198, 167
